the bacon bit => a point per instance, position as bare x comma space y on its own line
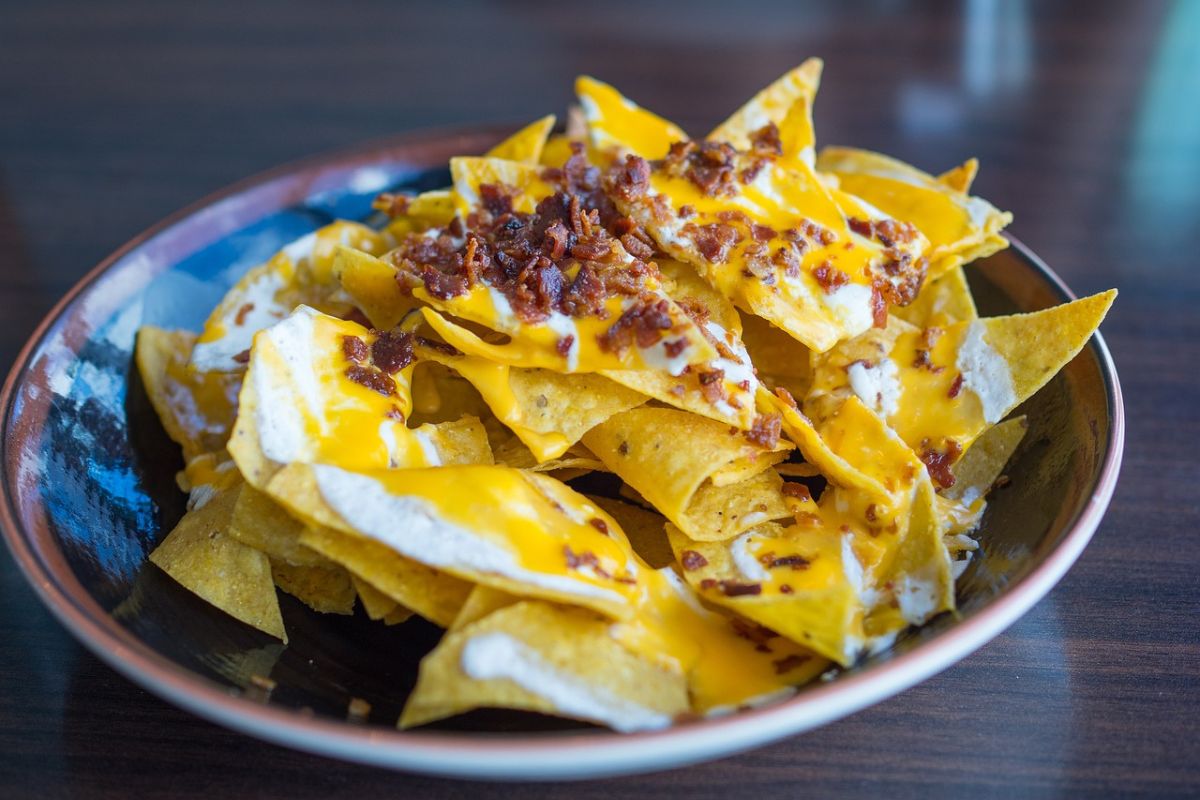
354, 349
712, 385
766, 140
599, 525
786, 588
395, 413
788, 663
708, 583
748, 174
786, 396
392, 351
372, 379
765, 430
871, 513
938, 462
433, 344
240, 318
762, 233
737, 589
691, 560
708, 165
1000, 483
636, 247
956, 386
584, 559
496, 198
931, 335
631, 179
863, 227
922, 361
796, 562
643, 322
675, 347
753, 632
830, 277
686, 211
714, 240
879, 308
563, 346
394, 205
442, 285
242, 357
797, 490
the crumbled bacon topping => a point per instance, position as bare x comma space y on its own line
797, 490
392, 351
765, 430
829, 277
796, 562
630, 179
240, 318
766, 140
758, 635
738, 589
599, 525
354, 349
955, 386
788, 663
394, 205
708, 165
713, 240
372, 379
691, 560
938, 462
644, 322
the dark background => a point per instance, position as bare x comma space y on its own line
1086, 117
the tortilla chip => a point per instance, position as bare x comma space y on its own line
961, 506
642, 446
781, 360
517, 531
943, 301
615, 123
261, 523
299, 274
953, 222
482, 601
196, 409
434, 595
918, 584
961, 177
548, 411
771, 105
820, 607
526, 144
643, 528
537, 657
235, 578
371, 284
717, 513
378, 605
325, 589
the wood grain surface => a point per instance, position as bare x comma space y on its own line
1086, 118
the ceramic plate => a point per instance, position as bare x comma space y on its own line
89, 490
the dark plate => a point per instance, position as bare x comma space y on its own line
89, 490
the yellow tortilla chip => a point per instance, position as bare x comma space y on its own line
643, 528
941, 388
482, 601
548, 411
378, 605
615, 122
918, 584
943, 301
196, 409
517, 531
771, 105
261, 523
717, 513
953, 222
299, 274
961, 177
235, 578
643, 447
961, 505
526, 144
433, 594
782, 362
797, 581
326, 589
371, 284
821, 280
537, 657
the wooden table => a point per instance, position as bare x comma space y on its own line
1086, 117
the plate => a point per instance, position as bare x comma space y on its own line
89, 490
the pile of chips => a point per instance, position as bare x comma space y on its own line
654, 427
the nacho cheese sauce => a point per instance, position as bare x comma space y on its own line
481, 522
498, 656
